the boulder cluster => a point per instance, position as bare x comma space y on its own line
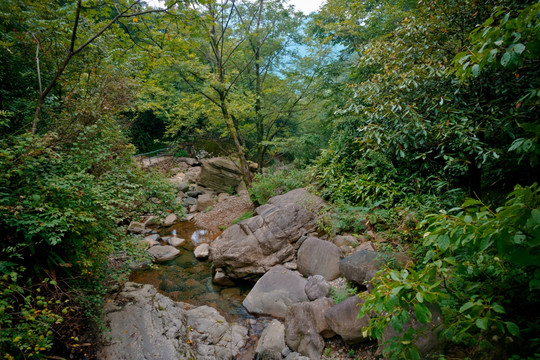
293, 268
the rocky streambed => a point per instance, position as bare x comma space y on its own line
194, 309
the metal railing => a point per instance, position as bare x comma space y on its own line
145, 156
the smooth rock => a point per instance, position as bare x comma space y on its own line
271, 342
275, 291
170, 220
345, 240
343, 320
136, 227
319, 257
202, 251
163, 253
175, 241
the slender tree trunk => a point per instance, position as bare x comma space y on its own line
244, 167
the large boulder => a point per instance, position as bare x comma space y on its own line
220, 174
361, 266
163, 253
319, 257
304, 324
148, 326
343, 320
253, 246
271, 342
278, 289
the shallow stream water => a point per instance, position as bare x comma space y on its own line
189, 280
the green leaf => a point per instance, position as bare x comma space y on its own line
498, 308
419, 297
422, 313
475, 69
519, 48
471, 202
443, 242
512, 328
466, 306
482, 323
505, 60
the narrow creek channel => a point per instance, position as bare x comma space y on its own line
189, 280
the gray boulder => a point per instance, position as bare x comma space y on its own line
278, 289
220, 174
151, 240
212, 336
182, 187
136, 227
152, 326
345, 240
271, 342
253, 246
343, 320
317, 287
163, 253
202, 251
148, 326
361, 266
319, 257
189, 201
175, 241
306, 326
171, 219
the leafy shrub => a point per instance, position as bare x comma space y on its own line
276, 182
340, 294
482, 266
61, 204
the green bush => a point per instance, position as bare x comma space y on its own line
61, 203
482, 267
278, 181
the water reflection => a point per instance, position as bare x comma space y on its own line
189, 280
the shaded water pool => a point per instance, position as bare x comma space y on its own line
189, 280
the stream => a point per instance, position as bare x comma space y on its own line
189, 280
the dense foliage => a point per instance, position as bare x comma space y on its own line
392, 110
